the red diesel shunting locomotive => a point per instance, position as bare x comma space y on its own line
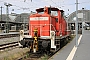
46, 28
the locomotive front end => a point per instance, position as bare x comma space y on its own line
45, 30
39, 29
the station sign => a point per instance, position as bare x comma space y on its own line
80, 15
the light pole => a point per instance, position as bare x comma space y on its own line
76, 23
7, 12
82, 21
24, 23
67, 21
1, 12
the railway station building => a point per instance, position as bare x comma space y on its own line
83, 17
14, 22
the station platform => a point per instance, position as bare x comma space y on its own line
71, 52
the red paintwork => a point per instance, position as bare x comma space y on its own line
43, 26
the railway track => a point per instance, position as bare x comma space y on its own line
8, 46
32, 57
43, 56
35, 56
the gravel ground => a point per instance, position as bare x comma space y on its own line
13, 54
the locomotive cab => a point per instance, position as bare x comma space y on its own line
45, 29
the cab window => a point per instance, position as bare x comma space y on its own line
54, 13
41, 12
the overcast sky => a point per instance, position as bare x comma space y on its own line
22, 6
